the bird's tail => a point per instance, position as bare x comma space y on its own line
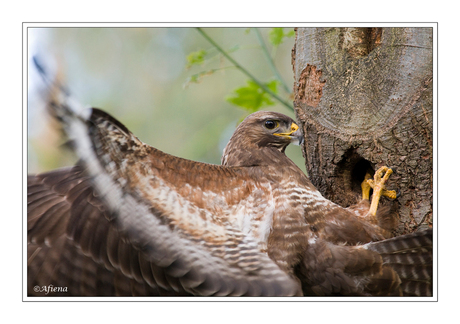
411, 257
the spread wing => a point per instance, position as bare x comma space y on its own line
135, 220
72, 242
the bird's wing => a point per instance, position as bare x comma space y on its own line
155, 218
397, 266
73, 245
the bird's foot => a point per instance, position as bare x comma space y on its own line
378, 185
365, 187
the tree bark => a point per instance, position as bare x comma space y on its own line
364, 98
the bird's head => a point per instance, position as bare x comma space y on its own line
261, 130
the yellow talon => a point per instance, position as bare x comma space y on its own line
389, 193
378, 184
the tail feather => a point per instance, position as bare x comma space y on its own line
417, 241
411, 257
417, 288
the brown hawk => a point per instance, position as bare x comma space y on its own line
132, 220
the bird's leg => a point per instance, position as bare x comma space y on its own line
378, 184
365, 187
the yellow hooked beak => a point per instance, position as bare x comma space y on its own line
294, 127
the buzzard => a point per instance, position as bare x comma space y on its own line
131, 220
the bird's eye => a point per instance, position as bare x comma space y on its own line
271, 124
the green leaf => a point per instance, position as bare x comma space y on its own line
290, 33
196, 58
252, 97
272, 85
277, 35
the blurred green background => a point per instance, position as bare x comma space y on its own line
141, 77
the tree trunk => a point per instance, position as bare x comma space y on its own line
364, 97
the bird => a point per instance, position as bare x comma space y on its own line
131, 220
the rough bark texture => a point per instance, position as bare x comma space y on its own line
364, 97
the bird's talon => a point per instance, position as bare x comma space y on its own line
389, 193
378, 184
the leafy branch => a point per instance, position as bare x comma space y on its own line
254, 95
270, 60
